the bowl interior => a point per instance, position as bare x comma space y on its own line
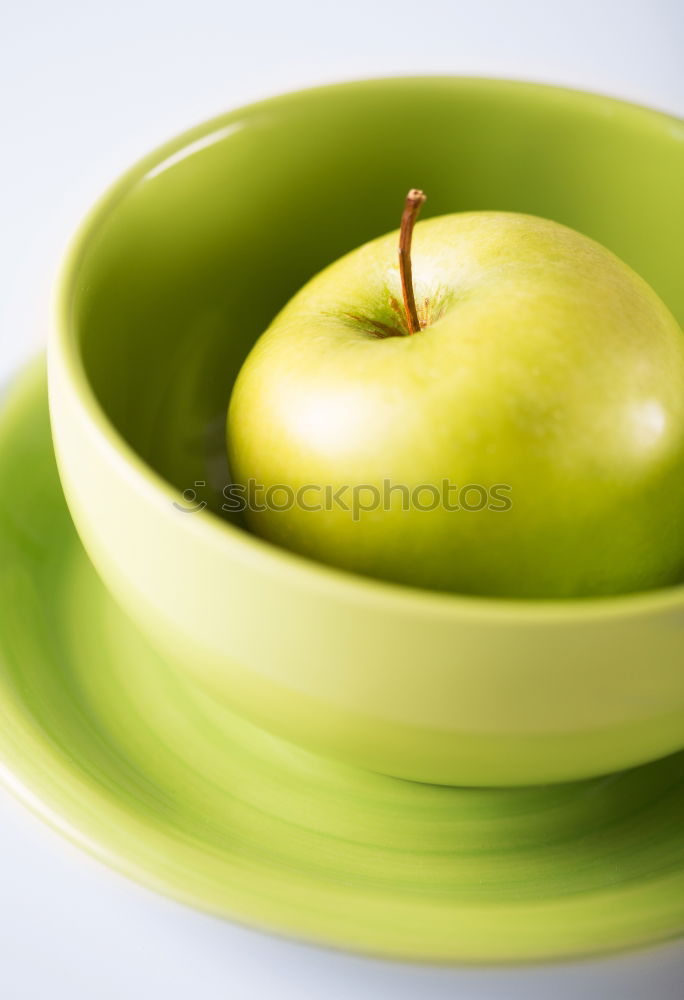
191, 255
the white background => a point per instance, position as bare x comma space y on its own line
86, 88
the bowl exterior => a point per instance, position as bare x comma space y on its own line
430, 689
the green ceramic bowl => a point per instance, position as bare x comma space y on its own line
169, 283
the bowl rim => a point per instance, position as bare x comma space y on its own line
265, 556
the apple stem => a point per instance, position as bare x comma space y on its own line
414, 199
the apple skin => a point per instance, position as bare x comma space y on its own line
546, 365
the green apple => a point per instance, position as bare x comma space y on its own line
507, 420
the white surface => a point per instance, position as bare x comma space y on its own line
86, 88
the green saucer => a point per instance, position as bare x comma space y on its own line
106, 743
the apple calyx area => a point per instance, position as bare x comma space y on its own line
412, 205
